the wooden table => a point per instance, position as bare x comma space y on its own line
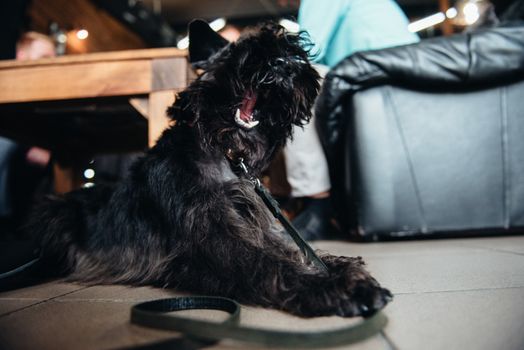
145, 79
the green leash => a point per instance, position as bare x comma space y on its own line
154, 314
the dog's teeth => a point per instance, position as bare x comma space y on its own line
252, 124
244, 124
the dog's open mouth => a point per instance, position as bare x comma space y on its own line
244, 114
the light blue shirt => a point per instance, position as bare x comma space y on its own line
338, 28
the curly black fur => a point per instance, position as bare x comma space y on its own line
183, 220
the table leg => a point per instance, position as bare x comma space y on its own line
66, 178
157, 118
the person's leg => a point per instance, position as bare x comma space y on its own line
306, 165
308, 176
7, 148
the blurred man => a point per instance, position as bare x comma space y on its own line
337, 29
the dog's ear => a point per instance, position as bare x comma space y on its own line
204, 42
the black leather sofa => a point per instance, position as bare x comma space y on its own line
428, 138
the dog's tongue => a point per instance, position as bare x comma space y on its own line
248, 104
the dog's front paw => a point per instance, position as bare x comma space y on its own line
356, 291
364, 299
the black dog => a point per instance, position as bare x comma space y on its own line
187, 218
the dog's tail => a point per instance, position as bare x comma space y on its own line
54, 224
58, 224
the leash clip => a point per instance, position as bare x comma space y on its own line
254, 180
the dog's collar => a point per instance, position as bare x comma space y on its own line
231, 156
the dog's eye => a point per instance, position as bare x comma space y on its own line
292, 59
298, 59
279, 62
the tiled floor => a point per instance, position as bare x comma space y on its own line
449, 294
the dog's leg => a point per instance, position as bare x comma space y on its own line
242, 259
285, 282
348, 290
274, 276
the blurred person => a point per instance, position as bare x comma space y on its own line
33, 46
337, 30
11, 18
28, 165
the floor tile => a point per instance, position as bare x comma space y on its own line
120, 293
275, 320
411, 267
488, 319
404, 248
512, 244
74, 325
375, 343
430, 273
10, 305
46, 290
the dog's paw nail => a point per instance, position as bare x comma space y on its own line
368, 310
388, 296
364, 310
